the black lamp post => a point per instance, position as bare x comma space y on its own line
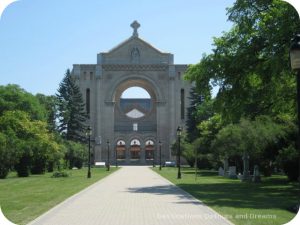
159, 154
108, 164
153, 161
295, 64
179, 151
116, 155
89, 133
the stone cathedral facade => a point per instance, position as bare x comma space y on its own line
131, 129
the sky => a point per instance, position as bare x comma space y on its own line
41, 39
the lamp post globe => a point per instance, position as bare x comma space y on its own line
179, 129
295, 65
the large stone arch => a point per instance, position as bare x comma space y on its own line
129, 80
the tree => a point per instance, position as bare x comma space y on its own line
6, 156
27, 143
250, 63
195, 114
251, 137
12, 97
49, 103
71, 111
76, 154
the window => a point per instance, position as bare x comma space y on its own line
149, 150
91, 75
182, 103
135, 127
121, 150
135, 149
87, 99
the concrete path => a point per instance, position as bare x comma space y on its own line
134, 195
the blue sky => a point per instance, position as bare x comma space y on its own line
39, 40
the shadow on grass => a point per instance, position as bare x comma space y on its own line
201, 173
272, 193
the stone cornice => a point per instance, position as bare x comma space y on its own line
134, 67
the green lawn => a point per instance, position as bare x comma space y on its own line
240, 202
23, 199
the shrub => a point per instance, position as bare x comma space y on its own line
288, 159
38, 166
3, 171
58, 174
76, 154
22, 167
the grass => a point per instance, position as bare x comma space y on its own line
24, 199
242, 203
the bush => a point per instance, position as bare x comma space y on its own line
38, 166
289, 160
3, 171
76, 154
50, 166
22, 167
58, 174
204, 161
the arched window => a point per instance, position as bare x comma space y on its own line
135, 142
135, 149
149, 150
121, 143
121, 149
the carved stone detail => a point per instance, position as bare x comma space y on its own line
134, 67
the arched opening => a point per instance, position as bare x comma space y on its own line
149, 150
121, 150
135, 149
135, 102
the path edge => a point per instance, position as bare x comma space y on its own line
72, 197
190, 195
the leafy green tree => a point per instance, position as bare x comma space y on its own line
288, 159
12, 97
251, 137
49, 103
6, 156
29, 143
71, 111
76, 154
250, 63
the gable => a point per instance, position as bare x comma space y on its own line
135, 51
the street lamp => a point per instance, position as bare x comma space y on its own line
295, 64
108, 165
179, 152
89, 133
153, 161
116, 155
159, 154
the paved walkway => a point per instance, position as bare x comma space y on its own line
131, 196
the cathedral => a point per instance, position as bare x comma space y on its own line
139, 129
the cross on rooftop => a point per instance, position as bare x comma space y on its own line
135, 25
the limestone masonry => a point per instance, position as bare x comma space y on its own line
133, 127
